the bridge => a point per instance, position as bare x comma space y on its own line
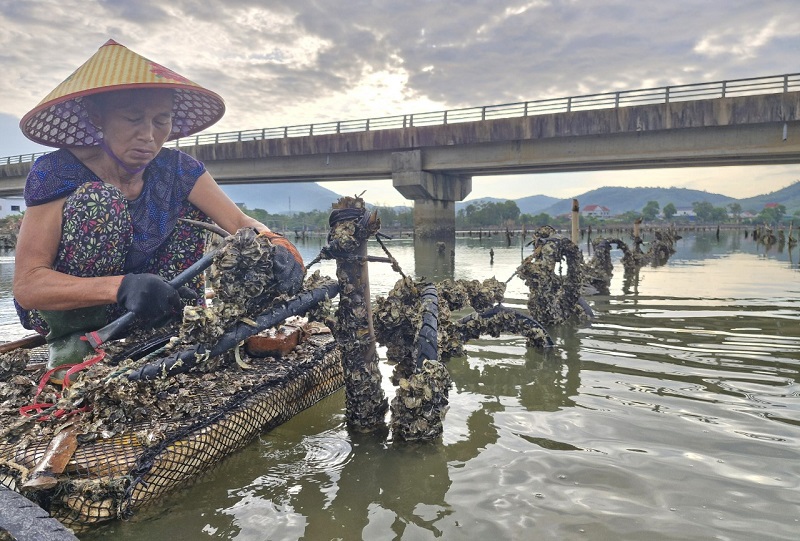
432, 157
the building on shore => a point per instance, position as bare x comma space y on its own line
598, 211
11, 205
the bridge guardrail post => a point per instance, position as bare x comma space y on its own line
616, 100
666, 94
724, 88
785, 83
569, 104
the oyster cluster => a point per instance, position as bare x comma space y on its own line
407, 321
323, 312
16, 387
421, 403
398, 318
242, 280
496, 321
13, 363
480, 296
599, 270
554, 294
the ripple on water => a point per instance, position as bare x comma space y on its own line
327, 452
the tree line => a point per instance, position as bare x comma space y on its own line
317, 220
507, 214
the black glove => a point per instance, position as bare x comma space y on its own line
151, 298
287, 271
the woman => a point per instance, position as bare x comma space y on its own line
101, 233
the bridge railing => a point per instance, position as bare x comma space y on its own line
623, 98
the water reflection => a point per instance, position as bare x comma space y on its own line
434, 259
541, 382
362, 484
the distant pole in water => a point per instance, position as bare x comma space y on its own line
491, 256
575, 221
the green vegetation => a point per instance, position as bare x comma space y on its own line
504, 214
317, 220
707, 213
9, 228
771, 215
487, 214
650, 210
735, 211
10, 224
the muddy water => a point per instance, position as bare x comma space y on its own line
675, 415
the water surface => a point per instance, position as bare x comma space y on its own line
674, 415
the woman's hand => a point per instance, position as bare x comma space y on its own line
152, 298
287, 264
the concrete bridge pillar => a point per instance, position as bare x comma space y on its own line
434, 195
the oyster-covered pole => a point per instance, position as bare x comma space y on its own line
351, 226
421, 402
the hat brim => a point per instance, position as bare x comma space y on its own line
61, 119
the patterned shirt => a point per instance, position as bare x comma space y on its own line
168, 180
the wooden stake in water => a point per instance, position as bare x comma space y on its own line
575, 221
365, 402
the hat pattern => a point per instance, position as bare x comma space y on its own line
61, 119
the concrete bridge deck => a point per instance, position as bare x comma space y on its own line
434, 164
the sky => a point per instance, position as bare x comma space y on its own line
281, 63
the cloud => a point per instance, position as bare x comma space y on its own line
302, 61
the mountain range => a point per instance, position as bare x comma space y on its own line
620, 200
286, 198
283, 197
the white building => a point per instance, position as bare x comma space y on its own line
14, 204
596, 210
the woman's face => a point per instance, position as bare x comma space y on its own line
136, 123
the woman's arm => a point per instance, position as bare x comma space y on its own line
36, 284
209, 198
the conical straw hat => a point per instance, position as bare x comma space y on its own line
60, 119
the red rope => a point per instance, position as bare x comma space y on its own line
38, 407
